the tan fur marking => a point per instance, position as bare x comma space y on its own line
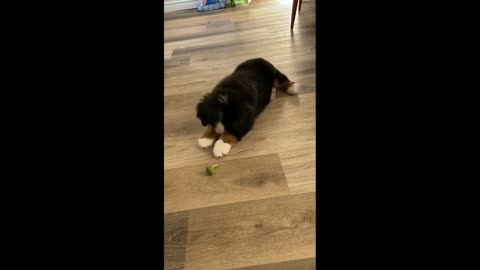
210, 133
228, 138
276, 84
282, 86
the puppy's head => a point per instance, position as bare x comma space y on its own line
210, 109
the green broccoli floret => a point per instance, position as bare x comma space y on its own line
211, 170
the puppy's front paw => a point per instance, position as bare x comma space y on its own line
221, 149
205, 142
292, 90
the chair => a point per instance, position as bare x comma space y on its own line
294, 11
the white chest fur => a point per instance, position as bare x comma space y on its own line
219, 128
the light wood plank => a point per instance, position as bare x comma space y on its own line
235, 181
184, 32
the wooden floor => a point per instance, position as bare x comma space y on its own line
258, 211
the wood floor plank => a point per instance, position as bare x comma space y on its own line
252, 233
174, 104
213, 65
218, 38
236, 181
176, 61
305, 264
175, 240
184, 31
282, 45
208, 65
243, 48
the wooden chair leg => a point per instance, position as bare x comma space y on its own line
294, 12
300, 5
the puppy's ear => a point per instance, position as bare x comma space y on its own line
199, 103
202, 102
205, 97
223, 99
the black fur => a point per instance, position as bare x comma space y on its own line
239, 98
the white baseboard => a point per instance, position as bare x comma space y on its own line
174, 5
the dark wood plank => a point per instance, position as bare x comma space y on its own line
177, 61
175, 240
305, 264
252, 233
201, 48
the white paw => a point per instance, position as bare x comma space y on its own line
205, 142
292, 90
220, 149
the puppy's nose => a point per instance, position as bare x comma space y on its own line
204, 123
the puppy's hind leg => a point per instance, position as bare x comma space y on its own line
208, 138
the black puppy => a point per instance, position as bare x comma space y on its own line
230, 110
